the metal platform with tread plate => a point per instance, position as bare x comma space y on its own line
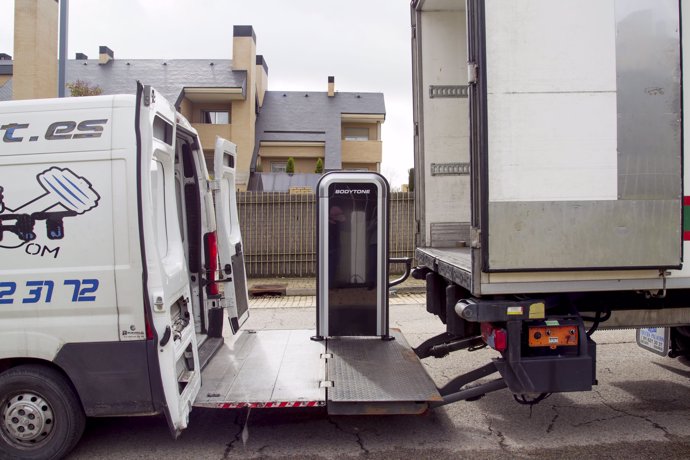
285, 368
274, 368
371, 375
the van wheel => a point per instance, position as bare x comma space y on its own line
40, 415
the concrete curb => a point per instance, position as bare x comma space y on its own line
301, 291
297, 287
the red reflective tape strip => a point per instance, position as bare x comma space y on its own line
686, 218
269, 404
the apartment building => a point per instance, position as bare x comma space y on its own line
221, 97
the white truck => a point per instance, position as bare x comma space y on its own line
551, 187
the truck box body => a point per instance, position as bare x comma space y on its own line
548, 146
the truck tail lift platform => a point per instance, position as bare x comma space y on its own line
356, 364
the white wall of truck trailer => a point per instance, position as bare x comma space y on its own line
574, 142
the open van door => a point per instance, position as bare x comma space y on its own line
230, 249
174, 360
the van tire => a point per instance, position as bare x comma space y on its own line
38, 393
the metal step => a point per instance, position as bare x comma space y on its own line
208, 349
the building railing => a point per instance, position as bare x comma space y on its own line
279, 232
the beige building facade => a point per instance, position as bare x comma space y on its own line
34, 69
224, 97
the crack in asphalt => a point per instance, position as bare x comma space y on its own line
356, 434
601, 419
229, 446
499, 434
554, 408
667, 434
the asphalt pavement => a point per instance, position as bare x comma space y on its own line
640, 409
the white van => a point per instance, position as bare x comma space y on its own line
110, 283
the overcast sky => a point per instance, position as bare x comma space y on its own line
365, 44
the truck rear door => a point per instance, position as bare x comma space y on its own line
230, 249
581, 151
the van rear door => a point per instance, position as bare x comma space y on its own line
174, 363
230, 249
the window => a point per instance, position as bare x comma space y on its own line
162, 130
180, 204
215, 117
278, 166
356, 134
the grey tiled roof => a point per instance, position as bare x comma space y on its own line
305, 116
6, 91
169, 77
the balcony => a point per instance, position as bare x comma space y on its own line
361, 151
208, 132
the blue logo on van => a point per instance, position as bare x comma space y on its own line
65, 195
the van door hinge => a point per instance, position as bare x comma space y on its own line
326, 384
475, 237
149, 96
472, 73
214, 184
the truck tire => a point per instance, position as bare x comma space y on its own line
40, 415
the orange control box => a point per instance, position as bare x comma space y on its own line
553, 336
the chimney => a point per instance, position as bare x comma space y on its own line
243, 48
35, 49
105, 55
5, 57
81, 57
261, 78
244, 111
331, 86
